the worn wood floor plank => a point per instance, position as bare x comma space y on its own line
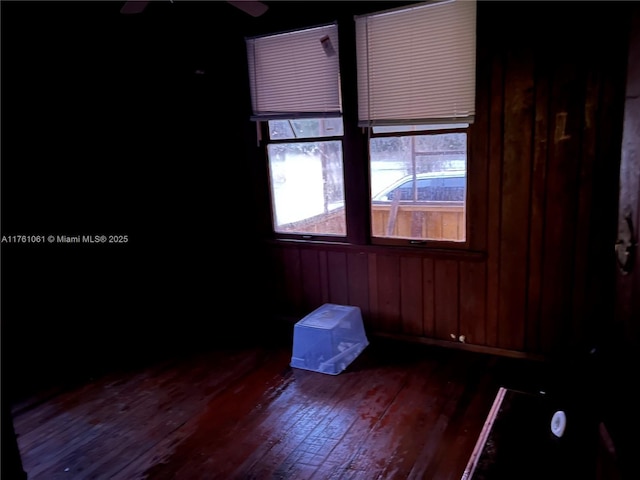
398, 412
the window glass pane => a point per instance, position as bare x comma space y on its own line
305, 128
307, 187
418, 186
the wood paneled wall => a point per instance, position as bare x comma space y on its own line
545, 151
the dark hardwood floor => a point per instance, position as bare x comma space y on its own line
399, 411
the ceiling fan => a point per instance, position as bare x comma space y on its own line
252, 7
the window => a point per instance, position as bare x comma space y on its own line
418, 185
415, 79
416, 96
306, 176
295, 91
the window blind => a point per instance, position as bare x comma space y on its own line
416, 65
295, 74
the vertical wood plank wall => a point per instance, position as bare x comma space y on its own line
544, 155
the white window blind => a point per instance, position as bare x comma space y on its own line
295, 74
417, 64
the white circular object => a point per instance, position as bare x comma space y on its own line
558, 423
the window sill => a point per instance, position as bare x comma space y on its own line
429, 250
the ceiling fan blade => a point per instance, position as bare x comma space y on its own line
134, 6
252, 7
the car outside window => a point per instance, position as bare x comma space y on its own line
427, 187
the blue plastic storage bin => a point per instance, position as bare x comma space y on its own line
328, 339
